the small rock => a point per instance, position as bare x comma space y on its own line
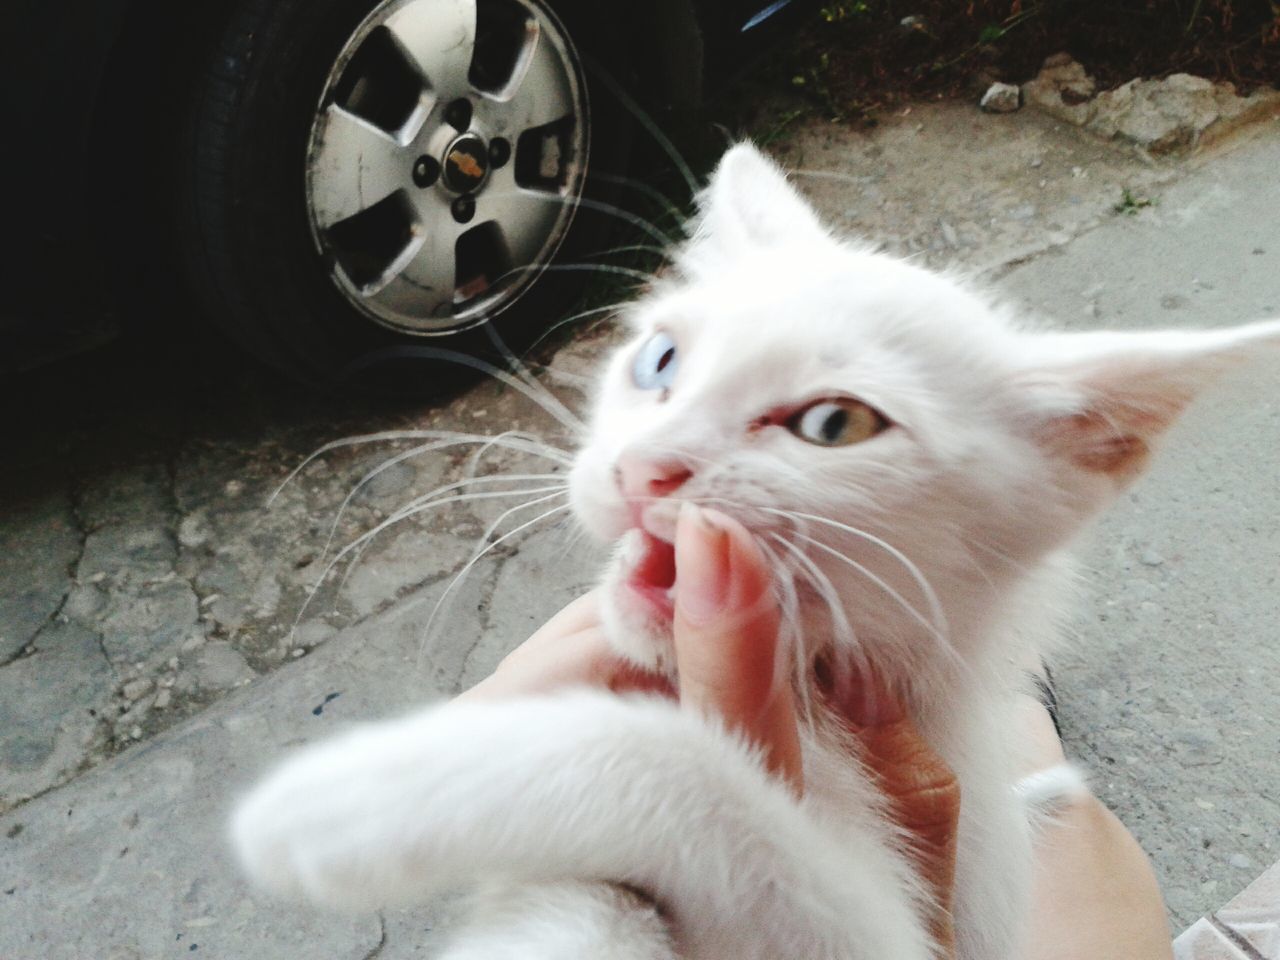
312, 633
193, 531
193, 642
1150, 558
1204, 804
137, 689
163, 699
298, 653
210, 599
220, 666
174, 663
1062, 89
1001, 98
916, 25
1037, 163
1240, 861
1157, 115
136, 733
233, 488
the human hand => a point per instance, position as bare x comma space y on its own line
727, 656
727, 650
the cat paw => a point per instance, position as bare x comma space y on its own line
296, 837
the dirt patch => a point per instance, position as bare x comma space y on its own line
858, 57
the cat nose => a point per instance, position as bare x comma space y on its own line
638, 477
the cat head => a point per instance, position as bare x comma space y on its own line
889, 436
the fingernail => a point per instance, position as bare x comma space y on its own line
704, 569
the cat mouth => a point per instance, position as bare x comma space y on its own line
652, 573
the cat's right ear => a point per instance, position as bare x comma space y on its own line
750, 203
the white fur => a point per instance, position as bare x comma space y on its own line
1005, 442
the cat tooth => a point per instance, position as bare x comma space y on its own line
660, 521
631, 547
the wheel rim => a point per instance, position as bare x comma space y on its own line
446, 158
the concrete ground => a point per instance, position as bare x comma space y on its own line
158, 644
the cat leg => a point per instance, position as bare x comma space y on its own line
582, 920
582, 785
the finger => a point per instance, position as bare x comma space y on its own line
726, 637
582, 614
569, 650
923, 793
571, 638
575, 659
909, 769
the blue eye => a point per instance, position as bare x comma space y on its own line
655, 364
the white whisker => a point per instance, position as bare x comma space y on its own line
646, 121
790, 632
402, 514
640, 223
479, 555
906, 605
522, 372
840, 624
416, 452
536, 447
607, 308
931, 597
660, 198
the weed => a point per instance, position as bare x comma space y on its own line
1130, 203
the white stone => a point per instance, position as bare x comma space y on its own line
136, 689
1001, 98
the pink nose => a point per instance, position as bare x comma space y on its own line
638, 477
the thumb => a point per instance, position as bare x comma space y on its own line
726, 637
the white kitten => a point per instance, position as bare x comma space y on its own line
916, 462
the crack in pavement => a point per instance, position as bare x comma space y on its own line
382, 939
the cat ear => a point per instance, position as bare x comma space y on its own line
750, 202
1102, 400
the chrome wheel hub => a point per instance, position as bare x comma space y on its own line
447, 153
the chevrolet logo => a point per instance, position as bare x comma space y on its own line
467, 165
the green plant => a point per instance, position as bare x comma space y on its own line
844, 10
1130, 203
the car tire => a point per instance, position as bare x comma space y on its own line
277, 255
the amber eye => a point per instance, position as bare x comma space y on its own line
836, 422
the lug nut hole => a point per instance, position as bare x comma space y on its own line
458, 114
499, 152
426, 171
464, 208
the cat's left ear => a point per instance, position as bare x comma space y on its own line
1100, 401
750, 202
